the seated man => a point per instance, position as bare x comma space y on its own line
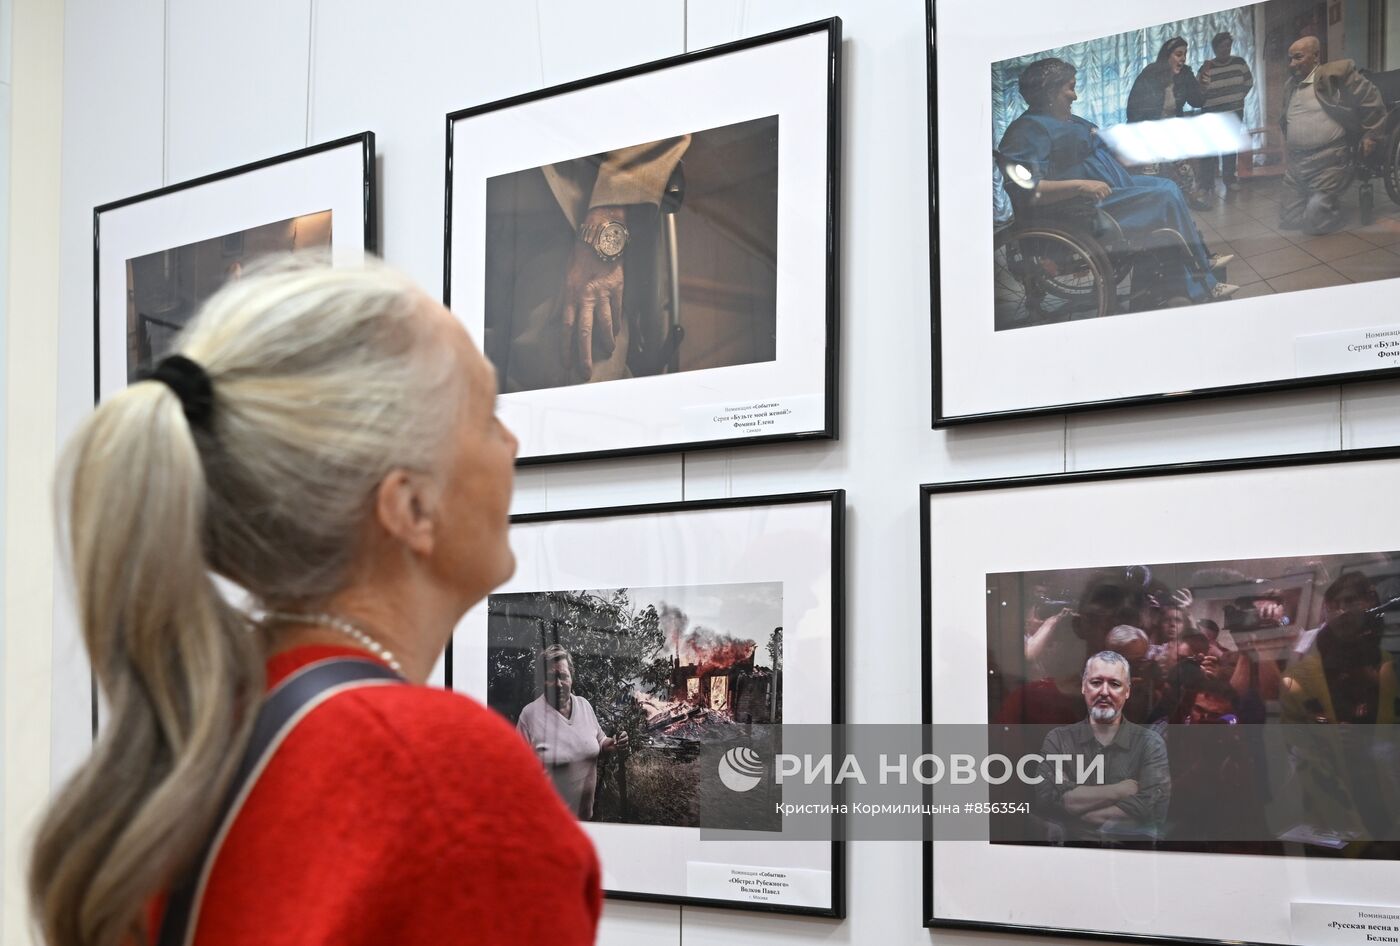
1329, 109
1131, 799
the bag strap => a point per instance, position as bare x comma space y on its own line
285, 706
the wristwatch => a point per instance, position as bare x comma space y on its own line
608, 239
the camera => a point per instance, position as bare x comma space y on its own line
1047, 606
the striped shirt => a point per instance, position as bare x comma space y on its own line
1229, 84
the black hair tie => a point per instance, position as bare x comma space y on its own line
190, 384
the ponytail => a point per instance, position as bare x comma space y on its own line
175, 661
322, 382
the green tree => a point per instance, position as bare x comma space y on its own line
615, 648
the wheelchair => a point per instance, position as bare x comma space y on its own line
1071, 260
1384, 161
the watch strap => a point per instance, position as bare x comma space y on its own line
592, 234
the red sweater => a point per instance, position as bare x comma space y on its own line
406, 815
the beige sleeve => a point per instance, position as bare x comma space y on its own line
637, 175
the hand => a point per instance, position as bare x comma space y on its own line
590, 298
1127, 788
1368, 144
1210, 666
1269, 610
614, 743
1097, 190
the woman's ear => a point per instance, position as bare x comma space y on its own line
404, 505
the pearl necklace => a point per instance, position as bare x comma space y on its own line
344, 626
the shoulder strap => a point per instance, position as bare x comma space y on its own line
285, 706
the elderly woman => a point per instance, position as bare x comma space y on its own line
562, 729
1068, 159
326, 440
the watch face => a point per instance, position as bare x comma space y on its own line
611, 239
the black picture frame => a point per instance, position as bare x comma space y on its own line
1129, 478
942, 348
232, 243
360, 195
835, 503
825, 420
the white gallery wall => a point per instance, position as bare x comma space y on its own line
31, 44
158, 91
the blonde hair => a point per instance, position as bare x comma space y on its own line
324, 380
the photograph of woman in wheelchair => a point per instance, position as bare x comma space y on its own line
1088, 238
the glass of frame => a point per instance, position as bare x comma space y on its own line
688, 630
1145, 216
1259, 597
159, 255
648, 257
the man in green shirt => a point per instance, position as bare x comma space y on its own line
1130, 800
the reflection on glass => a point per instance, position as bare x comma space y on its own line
650, 258
1167, 648
1195, 161
165, 289
617, 690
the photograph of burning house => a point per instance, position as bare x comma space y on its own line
165, 289
618, 691
1254, 672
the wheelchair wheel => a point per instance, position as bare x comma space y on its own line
1045, 276
1390, 161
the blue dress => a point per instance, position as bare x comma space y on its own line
1059, 150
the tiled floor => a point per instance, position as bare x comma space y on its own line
1269, 259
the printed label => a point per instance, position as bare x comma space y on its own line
1363, 349
756, 418
793, 887
1326, 924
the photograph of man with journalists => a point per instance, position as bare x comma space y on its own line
1245, 706
1247, 152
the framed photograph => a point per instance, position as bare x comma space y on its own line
1181, 201
1229, 631
157, 256
648, 257
639, 648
